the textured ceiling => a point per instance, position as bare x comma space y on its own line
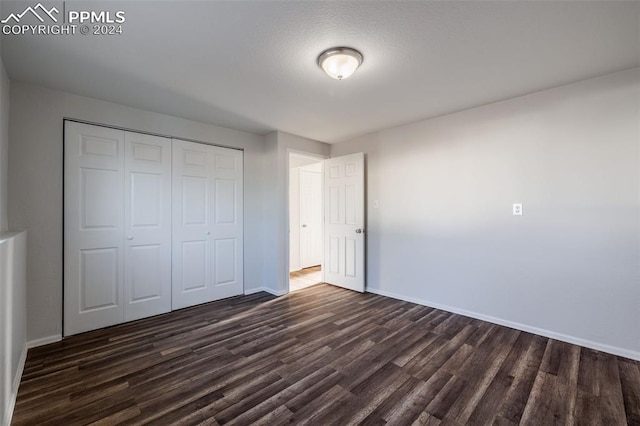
251, 65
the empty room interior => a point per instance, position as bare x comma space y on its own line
319, 212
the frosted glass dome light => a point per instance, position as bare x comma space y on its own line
340, 62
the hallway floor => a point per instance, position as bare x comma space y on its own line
305, 278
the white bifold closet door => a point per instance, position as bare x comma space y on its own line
147, 225
207, 223
117, 219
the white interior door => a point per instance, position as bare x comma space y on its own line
147, 244
344, 234
207, 223
93, 222
310, 218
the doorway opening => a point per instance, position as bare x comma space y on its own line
306, 239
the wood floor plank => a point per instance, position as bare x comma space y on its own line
587, 410
322, 355
418, 398
386, 381
547, 403
440, 405
272, 409
630, 382
488, 407
393, 399
611, 399
524, 376
479, 372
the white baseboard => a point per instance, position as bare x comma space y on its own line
614, 350
268, 290
14, 386
44, 341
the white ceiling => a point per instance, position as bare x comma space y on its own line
251, 65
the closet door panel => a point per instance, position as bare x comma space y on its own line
207, 224
228, 222
192, 224
93, 224
147, 236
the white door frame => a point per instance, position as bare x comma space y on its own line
287, 254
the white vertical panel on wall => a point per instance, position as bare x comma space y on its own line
147, 224
94, 225
13, 318
192, 189
207, 223
310, 218
294, 220
227, 223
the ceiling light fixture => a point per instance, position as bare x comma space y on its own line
340, 62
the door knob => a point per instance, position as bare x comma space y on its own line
129, 237
304, 226
208, 233
359, 231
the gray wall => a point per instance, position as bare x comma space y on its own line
4, 146
35, 185
444, 234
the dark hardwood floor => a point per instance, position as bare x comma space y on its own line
323, 356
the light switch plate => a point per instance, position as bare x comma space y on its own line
517, 209
376, 204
